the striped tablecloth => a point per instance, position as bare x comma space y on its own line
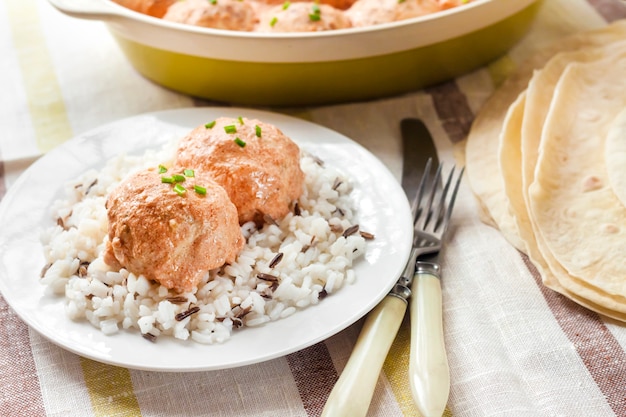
515, 348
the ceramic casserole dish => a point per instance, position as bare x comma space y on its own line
286, 69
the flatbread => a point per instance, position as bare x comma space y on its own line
481, 152
512, 123
572, 205
615, 156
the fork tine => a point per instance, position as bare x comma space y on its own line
433, 214
425, 203
452, 199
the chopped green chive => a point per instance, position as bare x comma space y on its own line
240, 142
199, 189
257, 130
213, 1
273, 21
178, 177
167, 180
179, 189
189, 173
230, 129
316, 15
286, 5
162, 169
210, 124
240, 120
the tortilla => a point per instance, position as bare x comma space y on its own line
515, 130
481, 153
615, 156
576, 212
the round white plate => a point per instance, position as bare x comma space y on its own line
25, 211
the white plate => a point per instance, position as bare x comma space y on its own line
24, 212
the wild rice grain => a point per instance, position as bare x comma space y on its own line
351, 230
276, 260
366, 235
182, 316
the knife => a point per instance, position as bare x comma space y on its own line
352, 394
429, 374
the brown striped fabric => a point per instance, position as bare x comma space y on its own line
599, 350
453, 110
18, 377
315, 376
610, 10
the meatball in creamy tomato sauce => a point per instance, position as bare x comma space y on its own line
258, 166
222, 14
172, 227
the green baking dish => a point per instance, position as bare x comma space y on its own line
291, 69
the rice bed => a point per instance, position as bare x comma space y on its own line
284, 267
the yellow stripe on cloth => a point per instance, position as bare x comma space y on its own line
45, 101
110, 389
396, 369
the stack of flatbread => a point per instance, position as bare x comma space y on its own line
546, 157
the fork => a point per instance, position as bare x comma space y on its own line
352, 394
429, 375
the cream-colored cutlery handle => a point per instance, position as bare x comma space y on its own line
353, 392
429, 374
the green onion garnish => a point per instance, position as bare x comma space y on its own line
189, 173
162, 169
316, 15
240, 142
210, 124
199, 189
257, 130
286, 5
213, 1
179, 189
178, 177
230, 129
273, 21
240, 120
167, 180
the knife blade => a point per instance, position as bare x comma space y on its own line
429, 375
353, 391
417, 148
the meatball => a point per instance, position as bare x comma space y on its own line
156, 8
168, 237
302, 17
258, 166
220, 14
373, 12
337, 4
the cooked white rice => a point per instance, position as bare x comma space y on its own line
316, 260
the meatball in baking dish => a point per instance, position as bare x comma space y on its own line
302, 17
156, 8
222, 14
258, 165
172, 227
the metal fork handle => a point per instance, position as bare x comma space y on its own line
429, 374
352, 394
